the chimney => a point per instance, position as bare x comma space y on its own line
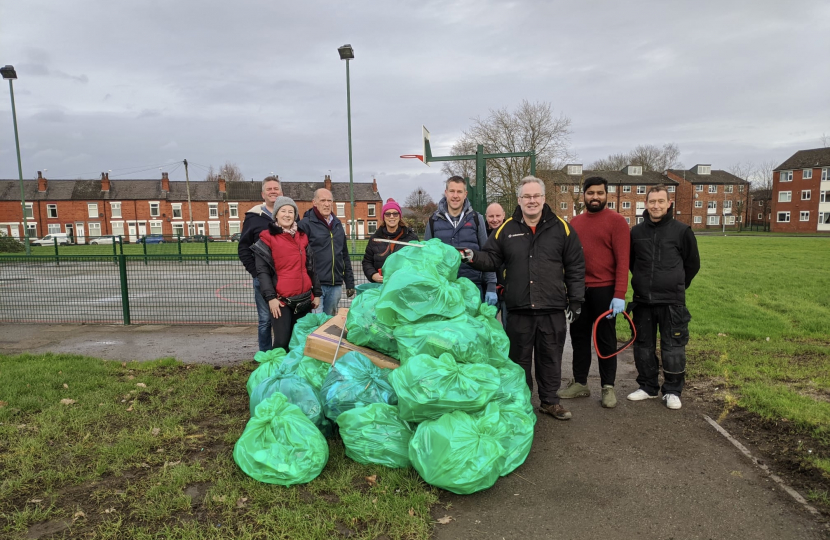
328, 182
165, 182
105, 181
374, 185
41, 182
221, 185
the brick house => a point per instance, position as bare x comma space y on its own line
132, 208
759, 211
801, 193
709, 199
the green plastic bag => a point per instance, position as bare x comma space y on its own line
354, 381
375, 434
459, 452
280, 445
518, 437
513, 389
303, 327
429, 387
363, 327
466, 338
471, 295
310, 369
298, 391
436, 258
499, 343
270, 362
417, 295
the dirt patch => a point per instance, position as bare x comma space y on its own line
48, 528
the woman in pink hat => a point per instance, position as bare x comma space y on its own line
392, 227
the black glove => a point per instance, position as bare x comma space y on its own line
349, 293
573, 312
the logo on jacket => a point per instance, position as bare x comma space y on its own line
468, 224
517, 234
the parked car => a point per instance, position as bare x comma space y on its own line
198, 238
235, 237
103, 240
150, 239
49, 240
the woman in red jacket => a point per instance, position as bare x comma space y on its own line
285, 269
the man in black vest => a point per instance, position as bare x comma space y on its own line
664, 260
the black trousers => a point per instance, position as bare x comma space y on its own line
673, 324
283, 326
597, 301
539, 337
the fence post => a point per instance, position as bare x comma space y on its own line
57, 254
125, 294
179, 239
207, 256
144, 244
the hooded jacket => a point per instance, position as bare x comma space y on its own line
284, 264
331, 252
377, 252
664, 260
466, 234
544, 271
256, 221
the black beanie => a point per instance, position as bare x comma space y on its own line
593, 181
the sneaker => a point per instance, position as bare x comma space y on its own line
609, 398
556, 410
574, 390
639, 395
672, 401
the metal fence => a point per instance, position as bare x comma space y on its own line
131, 289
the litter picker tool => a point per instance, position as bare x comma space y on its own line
384, 240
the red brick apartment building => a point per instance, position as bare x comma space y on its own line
759, 211
801, 193
132, 208
710, 199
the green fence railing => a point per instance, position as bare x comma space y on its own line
121, 288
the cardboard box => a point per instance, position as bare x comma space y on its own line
322, 344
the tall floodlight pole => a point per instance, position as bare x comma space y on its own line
190, 230
347, 53
9, 73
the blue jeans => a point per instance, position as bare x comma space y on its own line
264, 315
330, 299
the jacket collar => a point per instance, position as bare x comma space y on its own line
442, 207
668, 217
547, 214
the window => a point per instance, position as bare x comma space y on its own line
563, 206
727, 205
54, 228
628, 220
639, 220
612, 189
52, 212
761, 203
117, 227
785, 176
372, 226
825, 174
641, 190
233, 210
713, 188
177, 210
699, 187
635, 170
626, 189
728, 189
178, 228
783, 217
729, 220
741, 188
30, 214
574, 169
92, 210
712, 205
155, 227
233, 227
94, 229
115, 207
804, 216
213, 210
371, 211
154, 209
824, 196
563, 189
824, 218
341, 209
32, 228
698, 204
611, 205
214, 228
760, 216
670, 189
626, 205
785, 196
698, 219
713, 220
641, 205
704, 169
807, 174
806, 194
576, 188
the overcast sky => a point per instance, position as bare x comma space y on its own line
133, 85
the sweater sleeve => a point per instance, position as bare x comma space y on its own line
621, 245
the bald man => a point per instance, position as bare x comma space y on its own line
494, 216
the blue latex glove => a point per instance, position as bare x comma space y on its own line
618, 305
491, 298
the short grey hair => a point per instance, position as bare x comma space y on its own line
529, 180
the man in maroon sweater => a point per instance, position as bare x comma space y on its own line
605, 242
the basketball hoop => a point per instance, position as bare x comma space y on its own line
412, 156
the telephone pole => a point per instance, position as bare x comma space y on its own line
189, 207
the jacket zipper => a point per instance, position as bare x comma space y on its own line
331, 235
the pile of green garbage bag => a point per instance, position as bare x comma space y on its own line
354, 381
376, 434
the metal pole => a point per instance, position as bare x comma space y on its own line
189, 207
20, 174
351, 172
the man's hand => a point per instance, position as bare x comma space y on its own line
377, 277
315, 302
491, 298
274, 307
618, 306
573, 312
466, 255
350, 293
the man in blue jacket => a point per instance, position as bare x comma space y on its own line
457, 224
327, 239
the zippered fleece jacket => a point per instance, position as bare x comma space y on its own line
284, 264
330, 249
545, 271
256, 221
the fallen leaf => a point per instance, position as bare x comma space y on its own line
373, 480
171, 463
141, 385
219, 498
67, 401
130, 377
130, 408
60, 372
109, 510
155, 431
123, 364
412, 512
3, 403
240, 502
445, 520
374, 501
65, 385
79, 514
144, 465
36, 501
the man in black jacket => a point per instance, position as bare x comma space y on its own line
256, 221
545, 278
664, 260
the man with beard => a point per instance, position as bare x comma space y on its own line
605, 240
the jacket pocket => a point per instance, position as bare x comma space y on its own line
680, 317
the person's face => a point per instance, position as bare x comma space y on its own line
285, 216
657, 205
323, 202
595, 198
495, 216
270, 192
531, 200
392, 218
455, 193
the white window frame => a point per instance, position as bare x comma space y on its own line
824, 197
576, 188
729, 189
635, 170
728, 220
760, 216
30, 211
54, 228
699, 187
574, 169
713, 220
704, 169
233, 227
785, 196
563, 189
94, 228
806, 194
640, 219
117, 225
713, 188
115, 209
177, 210
371, 210
785, 215
612, 189
626, 189
727, 205
698, 219
563, 206
611, 205
371, 227
785, 176
807, 174
179, 229
804, 215
825, 174
712, 205
213, 210
641, 190
670, 189
52, 211
340, 209
824, 218
156, 224
155, 209
92, 210
641, 205
698, 204
233, 210
626, 205
628, 220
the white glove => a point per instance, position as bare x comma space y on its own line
466, 255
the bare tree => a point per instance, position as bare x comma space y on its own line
614, 162
532, 126
760, 178
649, 156
421, 207
211, 175
229, 171
825, 139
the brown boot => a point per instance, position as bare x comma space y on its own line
556, 410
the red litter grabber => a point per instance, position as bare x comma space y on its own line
626, 345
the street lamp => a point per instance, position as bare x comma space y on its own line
347, 53
9, 73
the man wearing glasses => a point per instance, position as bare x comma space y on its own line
545, 279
